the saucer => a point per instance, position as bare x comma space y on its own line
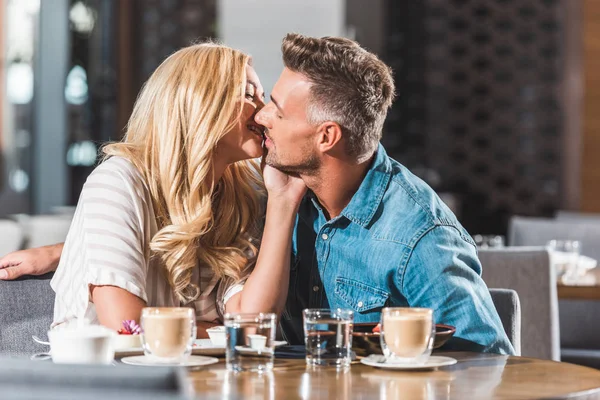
378, 361
250, 350
192, 361
200, 347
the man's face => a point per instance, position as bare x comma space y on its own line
290, 140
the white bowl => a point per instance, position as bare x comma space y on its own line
217, 335
127, 342
92, 344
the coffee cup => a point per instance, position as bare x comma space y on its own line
257, 342
91, 344
168, 333
407, 334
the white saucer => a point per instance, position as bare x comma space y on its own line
192, 361
200, 347
250, 350
378, 361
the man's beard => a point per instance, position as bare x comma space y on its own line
308, 166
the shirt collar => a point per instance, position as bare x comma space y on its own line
366, 200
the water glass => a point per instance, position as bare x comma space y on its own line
489, 241
250, 341
328, 336
168, 333
566, 259
407, 334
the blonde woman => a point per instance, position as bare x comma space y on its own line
173, 214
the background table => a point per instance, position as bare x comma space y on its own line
475, 376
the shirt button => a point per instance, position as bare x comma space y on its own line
324, 236
360, 304
315, 288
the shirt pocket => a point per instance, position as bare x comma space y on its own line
359, 296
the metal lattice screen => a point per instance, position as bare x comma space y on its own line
479, 112
165, 26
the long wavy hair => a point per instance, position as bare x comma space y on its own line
189, 103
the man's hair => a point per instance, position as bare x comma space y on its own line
350, 86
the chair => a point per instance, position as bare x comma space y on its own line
565, 215
26, 308
529, 231
508, 306
21, 379
11, 236
579, 319
42, 230
528, 271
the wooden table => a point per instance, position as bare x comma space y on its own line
475, 376
578, 292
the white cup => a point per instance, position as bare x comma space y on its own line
257, 342
217, 335
92, 344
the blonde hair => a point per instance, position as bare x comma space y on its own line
189, 103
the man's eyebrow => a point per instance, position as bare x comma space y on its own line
276, 104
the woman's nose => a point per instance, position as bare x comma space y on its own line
261, 116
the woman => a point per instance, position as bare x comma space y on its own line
172, 216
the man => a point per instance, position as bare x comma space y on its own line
368, 234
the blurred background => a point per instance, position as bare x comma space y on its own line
495, 109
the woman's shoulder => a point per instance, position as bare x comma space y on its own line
117, 168
117, 177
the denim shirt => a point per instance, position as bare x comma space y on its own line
396, 244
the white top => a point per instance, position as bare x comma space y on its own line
109, 244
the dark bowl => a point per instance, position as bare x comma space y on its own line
365, 342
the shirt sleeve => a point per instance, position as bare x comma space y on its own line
227, 290
443, 273
114, 215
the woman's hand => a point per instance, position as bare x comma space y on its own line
282, 186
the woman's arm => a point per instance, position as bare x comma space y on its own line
267, 286
114, 305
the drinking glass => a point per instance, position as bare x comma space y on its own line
489, 241
566, 259
407, 334
328, 336
168, 333
250, 341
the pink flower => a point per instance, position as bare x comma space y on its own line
130, 327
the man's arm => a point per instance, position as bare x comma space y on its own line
443, 273
37, 261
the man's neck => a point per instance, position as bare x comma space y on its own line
335, 184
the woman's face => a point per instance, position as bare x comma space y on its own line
244, 141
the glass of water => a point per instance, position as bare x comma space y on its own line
250, 341
328, 336
566, 260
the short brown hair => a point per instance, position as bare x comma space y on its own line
350, 86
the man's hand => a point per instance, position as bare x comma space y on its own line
36, 261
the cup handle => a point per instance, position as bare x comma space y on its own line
41, 357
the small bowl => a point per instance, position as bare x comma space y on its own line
217, 335
92, 344
365, 342
127, 342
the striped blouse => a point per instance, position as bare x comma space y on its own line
109, 244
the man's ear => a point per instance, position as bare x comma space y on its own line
329, 134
